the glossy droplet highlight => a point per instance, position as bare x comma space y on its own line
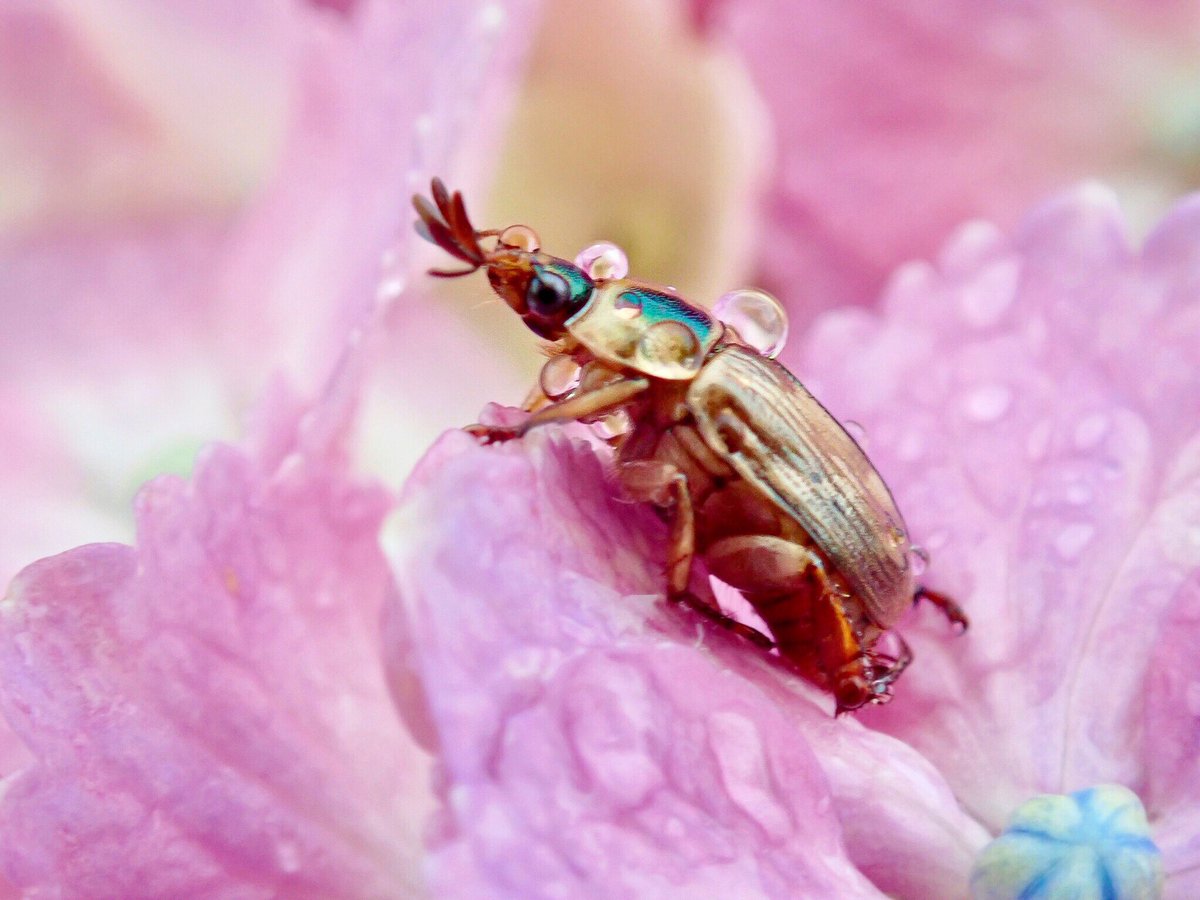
560, 375
520, 237
603, 259
671, 344
758, 318
856, 431
918, 560
612, 426
1092, 843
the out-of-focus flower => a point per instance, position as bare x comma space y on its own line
1032, 400
196, 201
892, 126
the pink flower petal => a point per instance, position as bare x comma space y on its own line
1010, 407
893, 126
204, 708
588, 734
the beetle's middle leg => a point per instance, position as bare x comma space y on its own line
664, 485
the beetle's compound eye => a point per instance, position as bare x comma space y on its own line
548, 295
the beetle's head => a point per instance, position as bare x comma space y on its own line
545, 291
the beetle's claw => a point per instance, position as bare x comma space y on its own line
494, 434
949, 607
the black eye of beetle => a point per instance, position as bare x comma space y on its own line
548, 294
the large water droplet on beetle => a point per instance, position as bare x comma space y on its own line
613, 425
603, 259
758, 318
560, 376
918, 560
520, 237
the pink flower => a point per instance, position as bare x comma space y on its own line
893, 126
1032, 400
205, 713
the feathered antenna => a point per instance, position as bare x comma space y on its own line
448, 226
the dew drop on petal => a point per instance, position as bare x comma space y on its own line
390, 288
1079, 494
603, 259
1090, 431
856, 431
1072, 540
559, 376
988, 403
758, 318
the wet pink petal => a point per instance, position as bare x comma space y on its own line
588, 734
204, 708
1015, 409
895, 125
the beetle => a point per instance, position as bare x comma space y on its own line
751, 472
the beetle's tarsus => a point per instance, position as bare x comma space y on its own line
495, 434
949, 607
753, 635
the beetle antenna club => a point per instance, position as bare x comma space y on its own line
445, 223
754, 477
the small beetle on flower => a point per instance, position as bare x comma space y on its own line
752, 473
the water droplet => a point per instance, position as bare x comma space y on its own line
970, 245
613, 425
911, 446
1078, 494
989, 294
988, 403
559, 376
603, 259
492, 16
856, 431
918, 560
390, 288
670, 343
1038, 441
1072, 540
520, 237
288, 856
759, 320
1090, 431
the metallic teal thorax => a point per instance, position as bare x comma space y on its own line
646, 328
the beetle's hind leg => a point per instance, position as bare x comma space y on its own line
948, 606
664, 485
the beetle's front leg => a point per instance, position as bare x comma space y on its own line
650, 481
607, 398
